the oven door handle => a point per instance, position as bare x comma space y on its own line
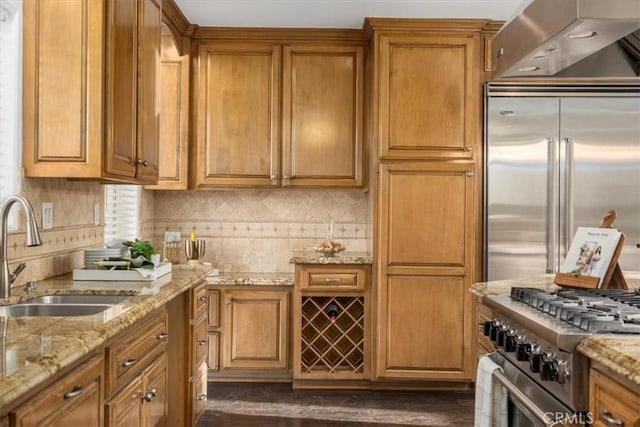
523, 399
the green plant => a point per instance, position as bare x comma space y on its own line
140, 247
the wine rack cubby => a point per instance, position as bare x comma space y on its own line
331, 331
328, 346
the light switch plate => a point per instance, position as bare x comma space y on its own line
47, 215
172, 236
96, 214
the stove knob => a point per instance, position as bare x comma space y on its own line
549, 370
535, 361
486, 328
493, 333
523, 350
510, 343
563, 371
502, 334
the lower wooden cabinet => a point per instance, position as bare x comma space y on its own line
143, 401
612, 403
250, 332
74, 400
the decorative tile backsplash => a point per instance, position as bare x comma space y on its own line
259, 230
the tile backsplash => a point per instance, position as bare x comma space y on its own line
250, 230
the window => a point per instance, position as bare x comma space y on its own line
121, 212
10, 100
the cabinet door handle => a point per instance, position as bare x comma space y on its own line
144, 163
227, 302
77, 391
149, 395
163, 336
273, 177
332, 280
130, 362
201, 397
203, 299
202, 342
607, 417
287, 177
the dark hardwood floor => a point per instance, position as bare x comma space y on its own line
277, 405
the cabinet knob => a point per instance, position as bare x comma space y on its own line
468, 148
287, 177
202, 397
144, 163
163, 336
77, 391
149, 395
273, 177
203, 299
227, 302
202, 342
470, 174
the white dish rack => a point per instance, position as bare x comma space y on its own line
131, 275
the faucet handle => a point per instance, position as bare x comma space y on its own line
13, 276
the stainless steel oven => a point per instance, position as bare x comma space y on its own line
536, 334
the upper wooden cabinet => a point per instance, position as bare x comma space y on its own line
90, 89
276, 114
174, 116
427, 87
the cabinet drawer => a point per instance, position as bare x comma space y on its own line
127, 356
199, 353
198, 394
199, 300
321, 278
77, 396
611, 402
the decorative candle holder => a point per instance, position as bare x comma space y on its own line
194, 250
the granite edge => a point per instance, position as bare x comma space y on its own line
602, 350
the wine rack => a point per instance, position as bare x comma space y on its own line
332, 347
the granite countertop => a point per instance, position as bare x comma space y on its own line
248, 279
340, 258
621, 353
36, 348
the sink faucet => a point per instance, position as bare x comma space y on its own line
33, 239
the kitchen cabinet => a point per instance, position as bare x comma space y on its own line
137, 374
332, 326
101, 100
279, 113
253, 333
613, 401
75, 399
426, 92
174, 116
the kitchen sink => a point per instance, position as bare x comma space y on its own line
52, 310
79, 299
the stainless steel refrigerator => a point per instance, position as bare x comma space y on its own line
557, 158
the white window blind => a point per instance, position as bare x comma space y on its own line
10, 100
121, 212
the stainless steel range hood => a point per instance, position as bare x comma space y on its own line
550, 36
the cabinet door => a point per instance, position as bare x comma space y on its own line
125, 409
155, 392
238, 115
429, 96
174, 116
427, 218
75, 400
62, 93
322, 131
256, 329
148, 119
425, 327
122, 86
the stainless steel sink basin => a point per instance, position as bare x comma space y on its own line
79, 299
53, 310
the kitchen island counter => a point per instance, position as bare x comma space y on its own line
34, 349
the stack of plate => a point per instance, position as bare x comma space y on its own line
99, 254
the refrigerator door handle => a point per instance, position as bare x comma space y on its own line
553, 184
569, 190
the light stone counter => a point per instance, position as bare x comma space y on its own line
621, 353
33, 349
340, 258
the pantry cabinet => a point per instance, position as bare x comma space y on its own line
94, 114
279, 113
252, 331
426, 126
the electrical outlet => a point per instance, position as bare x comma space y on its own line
96, 214
172, 236
47, 215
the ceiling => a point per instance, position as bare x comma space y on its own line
336, 13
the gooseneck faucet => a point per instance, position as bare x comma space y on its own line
33, 239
